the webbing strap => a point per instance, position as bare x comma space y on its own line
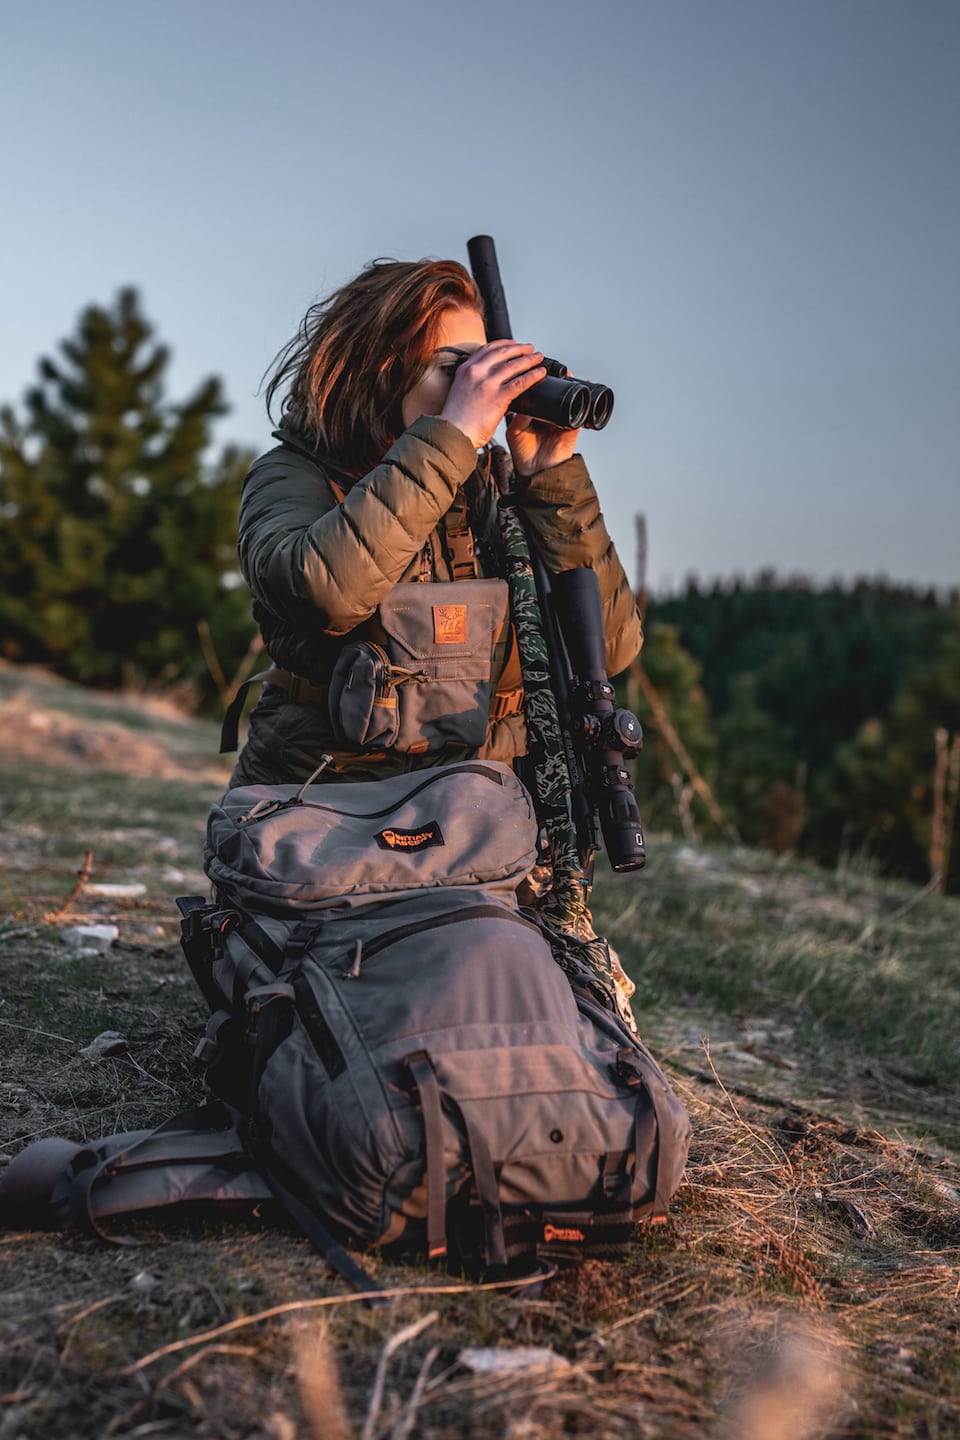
458, 544
320, 1237
488, 1191
305, 691
87, 1181
247, 970
425, 1078
230, 729
629, 1061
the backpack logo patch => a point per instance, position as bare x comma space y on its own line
561, 1232
427, 835
450, 624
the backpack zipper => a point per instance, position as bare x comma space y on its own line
417, 927
467, 768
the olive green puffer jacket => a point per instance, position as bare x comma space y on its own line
320, 553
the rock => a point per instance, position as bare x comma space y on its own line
512, 1360
117, 892
90, 937
108, 1042
144, 1282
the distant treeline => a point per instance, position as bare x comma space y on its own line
813, 713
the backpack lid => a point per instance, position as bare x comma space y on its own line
283, 847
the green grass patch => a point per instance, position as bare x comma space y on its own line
849, 962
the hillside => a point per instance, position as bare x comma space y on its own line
806, 1285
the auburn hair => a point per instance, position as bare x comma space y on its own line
359, 351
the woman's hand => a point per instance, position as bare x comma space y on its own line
487, 383
536, 446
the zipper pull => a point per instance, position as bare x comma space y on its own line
354, 972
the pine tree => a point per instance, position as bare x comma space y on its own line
116, 538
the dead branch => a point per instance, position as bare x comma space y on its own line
245, 666
226, 689
665, 725
82, 878
212, 659
953, 788
319, 1302
409, 1332
405, 1423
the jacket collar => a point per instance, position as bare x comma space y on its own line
294, 440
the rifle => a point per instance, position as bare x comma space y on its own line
602, 735
570, 705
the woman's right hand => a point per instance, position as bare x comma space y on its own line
486, 385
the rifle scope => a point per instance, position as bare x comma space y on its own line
559, 399
609, 736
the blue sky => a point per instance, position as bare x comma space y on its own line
744, 215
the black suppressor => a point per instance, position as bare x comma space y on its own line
608, 736
559, 399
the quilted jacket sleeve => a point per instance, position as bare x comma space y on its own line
562, 510
323, 565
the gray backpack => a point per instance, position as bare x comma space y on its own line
415, 1068
396, 1052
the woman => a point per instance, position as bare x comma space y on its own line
377, 483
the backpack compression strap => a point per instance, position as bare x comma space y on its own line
481, 1163
425, 1078
636, 1074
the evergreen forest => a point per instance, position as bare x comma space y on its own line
822, 721
825, 720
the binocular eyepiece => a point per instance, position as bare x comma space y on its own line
560, 399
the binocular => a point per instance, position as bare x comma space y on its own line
559, 399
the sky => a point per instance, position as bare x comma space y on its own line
743, 215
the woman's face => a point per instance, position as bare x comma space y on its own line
459, 332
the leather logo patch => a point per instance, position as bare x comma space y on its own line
427, 835
450, 624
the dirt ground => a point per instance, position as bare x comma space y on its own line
807, 1284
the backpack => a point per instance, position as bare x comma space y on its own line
396, 1052
414, 1068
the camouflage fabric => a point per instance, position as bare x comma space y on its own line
562, 904
565, 902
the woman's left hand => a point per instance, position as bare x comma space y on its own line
536, 446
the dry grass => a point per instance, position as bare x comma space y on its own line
807, 1284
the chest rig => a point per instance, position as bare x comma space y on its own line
435, 664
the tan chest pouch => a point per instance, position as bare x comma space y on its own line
425, 677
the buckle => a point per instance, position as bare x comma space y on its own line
508, 703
